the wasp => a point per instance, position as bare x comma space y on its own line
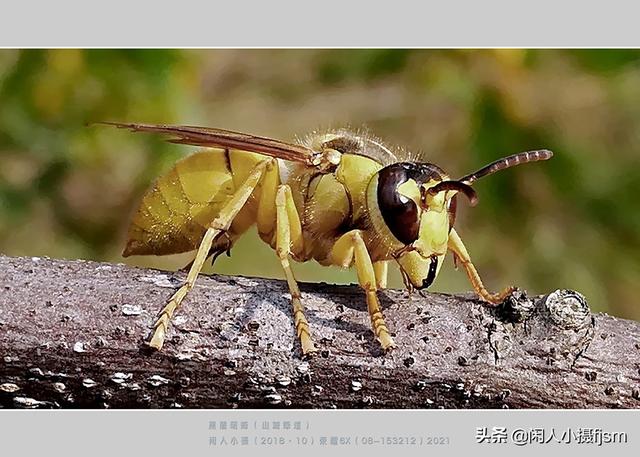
341, 198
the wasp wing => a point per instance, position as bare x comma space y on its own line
212, 137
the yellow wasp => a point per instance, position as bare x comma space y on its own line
340, 198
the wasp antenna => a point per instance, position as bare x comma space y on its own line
458, 186
508, 162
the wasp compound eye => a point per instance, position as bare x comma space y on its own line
399, 212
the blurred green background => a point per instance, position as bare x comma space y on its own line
68, 190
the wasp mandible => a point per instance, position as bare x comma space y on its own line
340, 198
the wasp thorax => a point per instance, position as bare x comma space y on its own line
398, 209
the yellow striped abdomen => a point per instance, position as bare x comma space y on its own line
175, 212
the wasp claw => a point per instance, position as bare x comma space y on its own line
387, 343
157, 340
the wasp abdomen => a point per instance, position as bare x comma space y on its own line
176, 210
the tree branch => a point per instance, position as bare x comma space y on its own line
72, 335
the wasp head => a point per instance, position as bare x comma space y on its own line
413, 208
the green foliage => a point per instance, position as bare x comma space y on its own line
607, 60
360, 64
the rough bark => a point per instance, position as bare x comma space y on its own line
72, 335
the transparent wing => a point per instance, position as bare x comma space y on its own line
211, 137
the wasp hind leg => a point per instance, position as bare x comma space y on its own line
288, 239
348, 248
218, 226
460, 252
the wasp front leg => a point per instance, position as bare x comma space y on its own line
217, 227
350, 247
289, 239
456, 245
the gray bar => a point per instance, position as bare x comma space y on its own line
245, 432
402, 23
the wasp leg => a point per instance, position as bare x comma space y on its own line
381, 269
457, 246
351, 246
219, 225
214, 253
288, 239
